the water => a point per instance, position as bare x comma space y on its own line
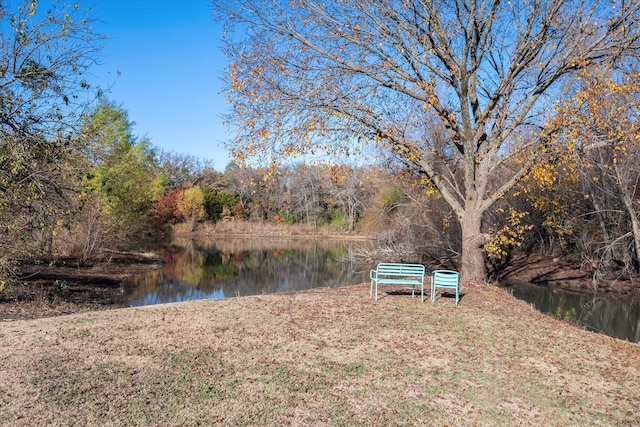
599, 313
209, 269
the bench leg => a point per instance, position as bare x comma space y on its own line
371, 289
433, 294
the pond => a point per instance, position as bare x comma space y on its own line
224, 268
599, 313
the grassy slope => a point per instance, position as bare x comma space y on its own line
321, 357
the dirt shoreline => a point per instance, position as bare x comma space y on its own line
68, 286
570, 275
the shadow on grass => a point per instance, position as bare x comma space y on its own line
427, 294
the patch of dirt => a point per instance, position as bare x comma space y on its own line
570, 274
68, 286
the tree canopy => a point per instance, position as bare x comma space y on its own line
456, 90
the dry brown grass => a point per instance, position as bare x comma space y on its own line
251, 229
320, 357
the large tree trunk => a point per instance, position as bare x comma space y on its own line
472, 261
635, 228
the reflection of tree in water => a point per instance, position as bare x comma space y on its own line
201, 269
613, 318
562, 312
286, 269
598, 313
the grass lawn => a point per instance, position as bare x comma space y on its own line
329, 357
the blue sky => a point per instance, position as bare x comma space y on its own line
168, 56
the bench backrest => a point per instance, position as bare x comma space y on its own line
445, 277
393, 269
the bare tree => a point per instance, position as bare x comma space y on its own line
44, 58
347, 187
44, 55
309, 76
306, 185
601, 124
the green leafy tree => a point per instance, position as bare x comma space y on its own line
450, 89
122, 176
216, 201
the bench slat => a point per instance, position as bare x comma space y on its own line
400, 281
447, 279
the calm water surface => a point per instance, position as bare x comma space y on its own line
599, 313
209, 269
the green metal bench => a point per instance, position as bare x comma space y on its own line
398, 274
447, 279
